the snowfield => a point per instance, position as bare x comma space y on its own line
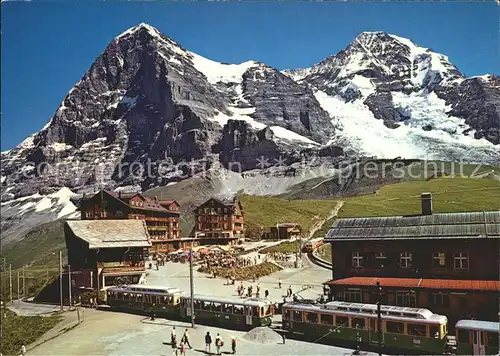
361, 131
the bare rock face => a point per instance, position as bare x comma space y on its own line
280, 101
477, 101
241, 148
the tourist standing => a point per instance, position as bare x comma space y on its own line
279, 283
233, 344
23, 350
208, 342
266, 293
218, 343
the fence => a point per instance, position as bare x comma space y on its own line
24, 282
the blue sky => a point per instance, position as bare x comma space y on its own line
48, 46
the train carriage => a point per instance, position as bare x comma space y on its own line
139, 298
410, 330
233, 312
476, 337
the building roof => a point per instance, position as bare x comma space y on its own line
455, 284
490, 326
111, 233
289, 225
436, 226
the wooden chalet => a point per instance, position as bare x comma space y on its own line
161, 216
106, 252
219, 222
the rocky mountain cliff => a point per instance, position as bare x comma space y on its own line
149, 112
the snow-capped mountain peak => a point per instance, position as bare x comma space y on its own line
147, 98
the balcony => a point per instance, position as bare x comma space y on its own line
158, 228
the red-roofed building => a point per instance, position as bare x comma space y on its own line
446, 262
161, 216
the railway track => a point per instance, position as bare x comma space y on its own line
318, 262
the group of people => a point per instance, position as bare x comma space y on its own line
184, 344
227, 259
248, 292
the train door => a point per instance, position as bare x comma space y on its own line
373, 333
478, 344
248, 315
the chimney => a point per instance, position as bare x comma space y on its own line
426, 203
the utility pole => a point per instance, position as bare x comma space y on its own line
60, 279
24, 284
10, 281
379, 319
18, 284
69, 283
191, 284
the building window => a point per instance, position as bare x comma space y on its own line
226, 210
219, 210
406, 299
225, 226
357, 260
441, 300
353, 295
438, 260
461, 260
405, 259
381, 258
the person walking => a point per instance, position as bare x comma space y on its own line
23, 350
173, 336
185, 339
174, 347
182, 349
208, 342
279, 283
233, 344
266, 293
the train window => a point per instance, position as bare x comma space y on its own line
358, 323
297, 316
286, 315
255, 311
217, 307
342, 321
492, 339
205, 305
228, 308
261, 311
373, 324
239, 309
267, 310
463, 336
417, 329
312, 318
326, 319
434, 331
394, 327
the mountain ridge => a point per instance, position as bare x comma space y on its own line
147, 98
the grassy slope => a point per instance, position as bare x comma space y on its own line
449, 195
264, 212
19, 330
